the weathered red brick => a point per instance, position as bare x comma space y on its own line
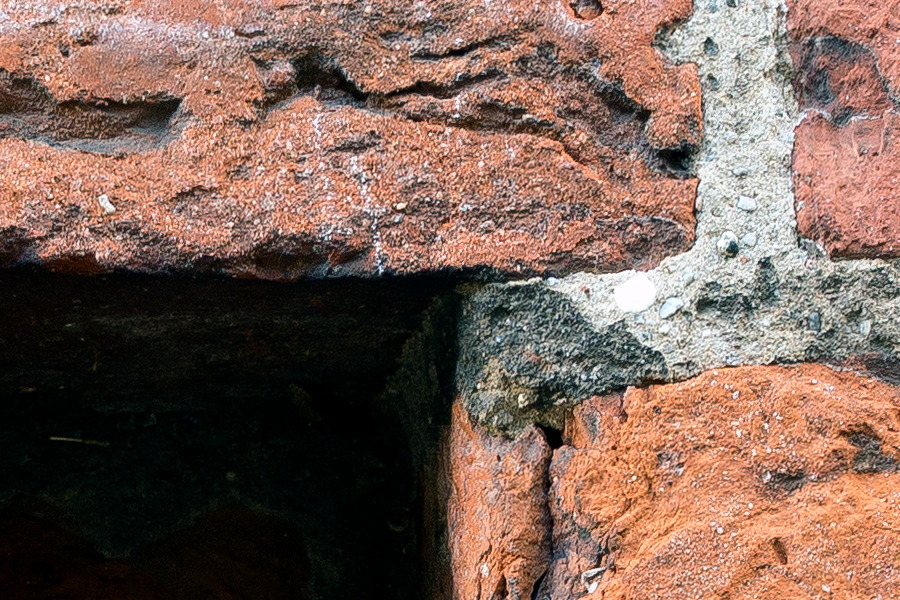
846, 158
284, 139
498, 517
754, 482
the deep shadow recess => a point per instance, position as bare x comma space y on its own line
205, 438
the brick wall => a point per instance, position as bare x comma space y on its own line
696, 393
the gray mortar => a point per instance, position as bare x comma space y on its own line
530, 349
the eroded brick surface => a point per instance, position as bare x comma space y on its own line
756, 482
750, 482
498, 517
285, 139
846, 158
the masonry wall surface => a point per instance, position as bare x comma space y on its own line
674, 227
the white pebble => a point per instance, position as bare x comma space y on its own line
727, 244
635, 295
105, 204
591, 579
670, 307
750, 239
865, 327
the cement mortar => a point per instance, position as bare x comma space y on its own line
749, 292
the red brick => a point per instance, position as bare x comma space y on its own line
498, 518
846, 157
755, 482
750, 482
318, 139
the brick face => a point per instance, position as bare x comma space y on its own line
751, 482
498, 517
282, 139
846, 156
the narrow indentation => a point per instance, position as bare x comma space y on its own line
535, 592
786, 483
311, 75
250, 32
500, 41
322, 77
678, 162
780, 550
553, 436
500, 592
28, 111
445, 91
359, 143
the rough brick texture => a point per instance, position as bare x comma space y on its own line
846, 159
752, 482
498, 517
283, 139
